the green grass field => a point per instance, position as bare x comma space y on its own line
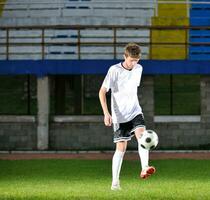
90, 179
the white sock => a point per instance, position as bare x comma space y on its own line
144, 156
116, 165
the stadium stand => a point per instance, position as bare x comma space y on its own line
105, 42
99, 43
63, 43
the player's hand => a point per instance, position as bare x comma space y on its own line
107, 120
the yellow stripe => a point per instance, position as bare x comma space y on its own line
172, 10
168, 52
2, 6
172, 21
170, 15
169, 36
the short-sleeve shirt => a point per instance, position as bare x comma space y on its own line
124, 99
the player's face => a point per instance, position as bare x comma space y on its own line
130, 62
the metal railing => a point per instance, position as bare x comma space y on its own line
85, 42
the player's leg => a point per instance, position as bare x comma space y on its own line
117, 163
144, 156
143, 153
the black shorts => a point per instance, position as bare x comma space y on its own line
125, 131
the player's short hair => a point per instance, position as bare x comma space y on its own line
133, 50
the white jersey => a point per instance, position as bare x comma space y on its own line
123, 84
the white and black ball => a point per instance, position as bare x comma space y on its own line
149, 140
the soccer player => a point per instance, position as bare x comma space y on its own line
126, 114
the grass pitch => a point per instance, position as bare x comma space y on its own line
91, 179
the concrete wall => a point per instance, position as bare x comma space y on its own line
89, 133
18, 133
184, 133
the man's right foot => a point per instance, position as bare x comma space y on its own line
145, 173
115, 186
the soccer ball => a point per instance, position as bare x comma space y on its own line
149, 140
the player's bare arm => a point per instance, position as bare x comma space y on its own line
103, 101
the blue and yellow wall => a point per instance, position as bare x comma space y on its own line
170, 14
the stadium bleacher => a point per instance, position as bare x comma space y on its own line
77, 12
63, 43
94, 12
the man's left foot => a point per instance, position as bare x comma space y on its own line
145, 173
